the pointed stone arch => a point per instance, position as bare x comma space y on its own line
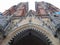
28, 29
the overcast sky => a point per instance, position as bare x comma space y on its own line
6, 4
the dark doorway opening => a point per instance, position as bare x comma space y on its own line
29, 37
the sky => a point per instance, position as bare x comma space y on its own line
6, 4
